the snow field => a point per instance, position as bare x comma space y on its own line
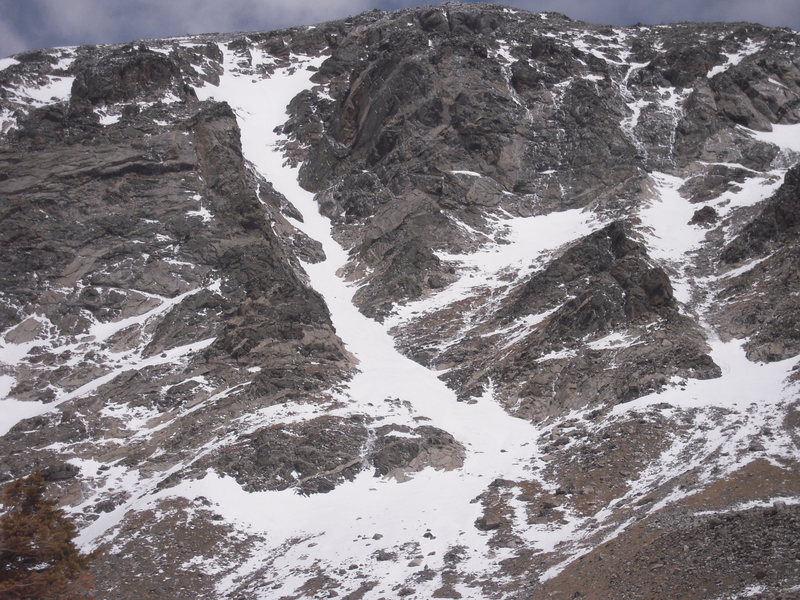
401, 513
785, 136
342, 522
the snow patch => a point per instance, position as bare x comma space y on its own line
7, 62
13, 411
6, 384
57, 89
784, 136
102, 331
612, 340
527, 242
108, 119
734, 58
201, 212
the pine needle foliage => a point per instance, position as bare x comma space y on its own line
38, 556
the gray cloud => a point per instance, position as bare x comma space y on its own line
38, 23
626, 12
784, 13
10, 40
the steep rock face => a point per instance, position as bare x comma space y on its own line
126, 75
581, 314
119, 247
754, 304
514, 102
147, 269
584, 237
776, 225
629, 289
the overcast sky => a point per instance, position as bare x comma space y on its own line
29, 24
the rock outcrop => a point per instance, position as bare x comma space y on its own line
754, 303
567, 345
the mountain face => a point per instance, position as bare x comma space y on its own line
451, 302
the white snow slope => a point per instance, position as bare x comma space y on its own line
339, 527
497, 444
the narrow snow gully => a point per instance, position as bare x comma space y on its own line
388, 387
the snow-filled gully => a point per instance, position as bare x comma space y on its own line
339, 528
496, 443
422, 519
